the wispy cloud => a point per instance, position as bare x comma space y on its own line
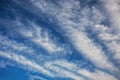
113, 9
110, 34
29, 64
43, 38
111, 40
36, 77
75, 32
62, 72
88, 48
6, 42
71, 70
72, 20
97, 75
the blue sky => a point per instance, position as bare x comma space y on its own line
59, 40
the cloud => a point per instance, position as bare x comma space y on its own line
44, 38
112, 33
78, 37
6, 42
74, 29
56, 69
113, 9
29, 64
97, 75
111, 40
71, 70
62, 72
72, 20
3, 63
83, 44
36, 77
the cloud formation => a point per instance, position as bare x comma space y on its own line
63, 39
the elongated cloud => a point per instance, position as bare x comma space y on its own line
80, 39
43, 38
98, 75
83, 43
25, 62
31, 65
71, 20
112, 8
36, 77
62, 72
15, 45
110, 39
73, 71
74, 31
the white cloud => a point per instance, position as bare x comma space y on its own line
111, 40
115, 47
36, 77
66, 17
30, 65
74, 28
62, 72
44, 6
97, 75
113, 9
65, 64
14, 45
83, 44
64, 68
79, 39
41, 36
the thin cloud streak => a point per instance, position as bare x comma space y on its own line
81, 41
111, 40
72, 21
43, 38
75, 30
31, 65
73, 71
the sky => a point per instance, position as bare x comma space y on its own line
59, 39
